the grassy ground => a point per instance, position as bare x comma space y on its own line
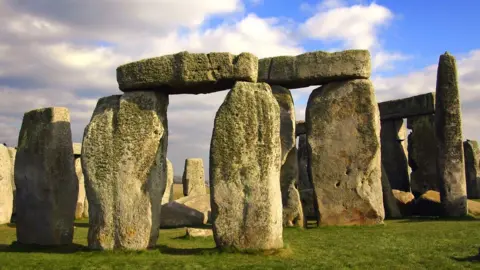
399, 244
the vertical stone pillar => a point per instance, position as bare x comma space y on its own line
168, 194
422, 154
292, 206
124, 164
448, 127
343, 136
6, 188
305, 187
245, 162
393, 138
472, 168
47, 187
193, 179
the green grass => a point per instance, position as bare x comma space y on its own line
399, 244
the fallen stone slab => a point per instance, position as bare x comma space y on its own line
47, 189
405, 201
186, 211
407, 107
314, 68
428, 204
188, 73
195, 232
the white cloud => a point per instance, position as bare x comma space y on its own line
355, 27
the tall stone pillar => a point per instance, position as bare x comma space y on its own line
448, 127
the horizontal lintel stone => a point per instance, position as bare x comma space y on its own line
412, 106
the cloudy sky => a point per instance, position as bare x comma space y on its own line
64, 53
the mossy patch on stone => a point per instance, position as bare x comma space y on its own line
188, 73
314, 68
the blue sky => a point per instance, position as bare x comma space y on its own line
65, 53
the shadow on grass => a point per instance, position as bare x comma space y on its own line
446, 219
474, 258
182, 251
23, 248
80, 224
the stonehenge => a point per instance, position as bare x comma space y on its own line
46, 186
245, 170
472, 168
448, 134
292, 206
124, 164
356, 162
6, 187
343, 138
193, 179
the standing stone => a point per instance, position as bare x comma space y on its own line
389, 201
422, 154
124, 164
292, 206
448, 127
81, 189
85, 207
245, 162
6, 189
393, 137
168, 194
193, 179
343, 136
13, 152
472, 168
47, 188
305, 187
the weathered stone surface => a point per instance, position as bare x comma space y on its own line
168, 194
85, 208
389, 201
245, 162
124, 164
193, 179
448, 133
305, 187
407, 107
472, 168
343, 136
314, 68
47, 188
79, 211
6, 188
393, 137
13, 152
405, 201
188, 73
301, 128
422, 154
195, 232
428, 204
77, 149
292, 206
186, 211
